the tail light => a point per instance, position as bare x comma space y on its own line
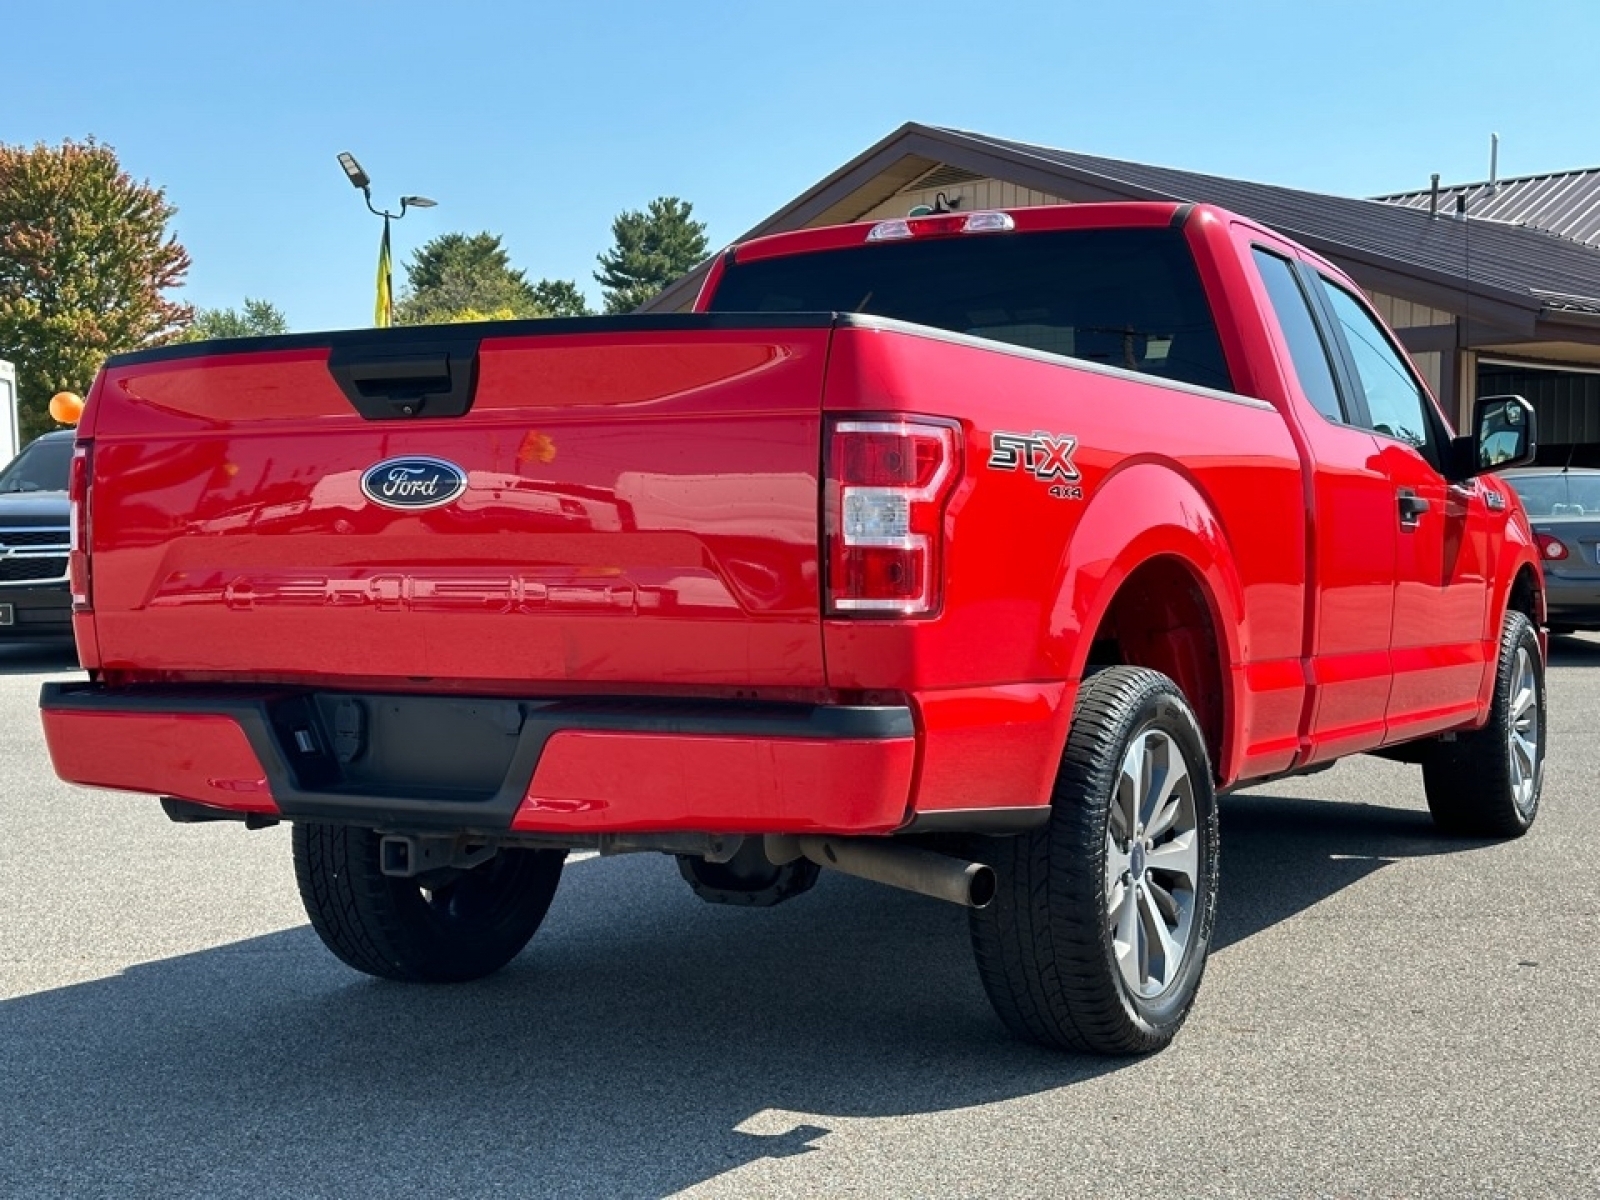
888, 485
1550, 548
78, 525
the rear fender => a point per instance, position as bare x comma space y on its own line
1171, 522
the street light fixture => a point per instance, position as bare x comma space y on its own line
384, 312
353, 169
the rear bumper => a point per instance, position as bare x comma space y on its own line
1572, 603
493, 764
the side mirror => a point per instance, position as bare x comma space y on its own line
1504, 435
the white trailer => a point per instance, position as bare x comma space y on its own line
9, 438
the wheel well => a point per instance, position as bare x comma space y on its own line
1524, 597
1161, 619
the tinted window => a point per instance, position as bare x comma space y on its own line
1123, 297
1310, 356
1396, 404
41, 467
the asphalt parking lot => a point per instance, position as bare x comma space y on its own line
1388, 1013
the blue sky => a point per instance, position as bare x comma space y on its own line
541, 122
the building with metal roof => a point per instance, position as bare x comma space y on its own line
1566, 204
1505, 295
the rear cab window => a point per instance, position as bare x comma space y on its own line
1129, 298
1312, 364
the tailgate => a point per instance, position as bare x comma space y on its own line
629, 502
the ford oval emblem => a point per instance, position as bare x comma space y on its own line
413, 482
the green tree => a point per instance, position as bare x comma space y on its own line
561, 298
652, 249
465, 316
85, 264
259, 318
456, 274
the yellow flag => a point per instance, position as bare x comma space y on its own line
383, 314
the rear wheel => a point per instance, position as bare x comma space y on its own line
447, 926
1486, 783
1100, 927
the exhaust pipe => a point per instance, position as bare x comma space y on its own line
880, 860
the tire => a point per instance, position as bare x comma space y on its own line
468, 924
1487, 782
1068, 951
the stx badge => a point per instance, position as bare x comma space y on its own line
1046, 456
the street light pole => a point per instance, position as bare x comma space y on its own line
383, 313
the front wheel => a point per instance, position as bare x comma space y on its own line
1099, 930
1487, 783
445, 927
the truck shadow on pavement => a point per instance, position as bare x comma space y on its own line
32, 658
1575, 650
643, 1044
1281, 855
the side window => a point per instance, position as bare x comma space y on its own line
1300, 331
1396, 404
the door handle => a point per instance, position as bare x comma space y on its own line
1412, 506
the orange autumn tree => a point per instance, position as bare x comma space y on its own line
86, 261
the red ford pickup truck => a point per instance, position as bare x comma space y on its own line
973, 553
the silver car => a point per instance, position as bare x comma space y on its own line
1564, 508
